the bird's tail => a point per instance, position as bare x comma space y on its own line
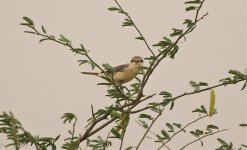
91, 73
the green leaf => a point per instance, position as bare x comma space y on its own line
177, 125
114, 9
140, 38
173, 52
146, 116
115, 133
101, 112
202, 84
201, 143
202, 110
194, 85
176, 32
197, 86
244, 145
26, 24
165, 134
237, 74
108, 67
31, 32
143, 124
165, 94
64, 39
127, 22
190, 8
128, 148
164, 43
92, 65
170, 127
115, 114
151, 58
28, 20
244, 86
212, 127
78, 50
43, 40
222, 142
68, 117
167, 39
166, 102
81, 62
188, 22
243, 125
193, 2
43, 29
172, 105
197, 133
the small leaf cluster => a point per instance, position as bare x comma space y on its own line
201, 110
169, 131
28, 22
127, 21
198, 133
98, 144
228, 146
14, 131
193, 5
236, 76
70, 142
167, 99
197, 86
62, 39
169, 48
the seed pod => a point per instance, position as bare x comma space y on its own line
212, 103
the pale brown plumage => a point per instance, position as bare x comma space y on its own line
123, 73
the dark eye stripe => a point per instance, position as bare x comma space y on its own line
136, 60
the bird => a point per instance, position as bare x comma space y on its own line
123, 73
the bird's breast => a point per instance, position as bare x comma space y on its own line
125, 75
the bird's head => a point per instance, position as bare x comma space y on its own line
137, 60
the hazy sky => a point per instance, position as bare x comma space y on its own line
40, 82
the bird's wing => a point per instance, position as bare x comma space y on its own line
120, 67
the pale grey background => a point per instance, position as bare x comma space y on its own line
40, 82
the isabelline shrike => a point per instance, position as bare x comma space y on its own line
122, 73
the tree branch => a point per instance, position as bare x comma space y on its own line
150, 126
134, 25
202, 138
186, 94
163, 53
182, 129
